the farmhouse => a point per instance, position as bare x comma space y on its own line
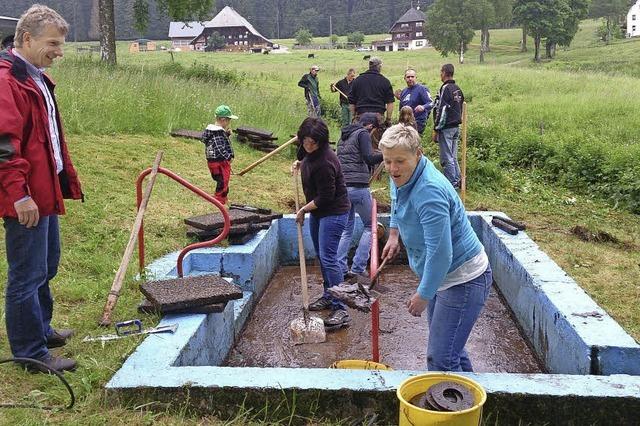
182, 33
407, 33
238, 33
633, 20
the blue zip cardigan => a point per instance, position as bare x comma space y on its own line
433, 225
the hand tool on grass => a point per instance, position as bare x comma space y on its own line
306, 329
112, 299
269, 155
356, 292
131, 328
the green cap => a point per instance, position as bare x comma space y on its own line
224, 111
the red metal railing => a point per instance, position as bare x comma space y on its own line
375, 306
194, 189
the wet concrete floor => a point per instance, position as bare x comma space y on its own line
495, 344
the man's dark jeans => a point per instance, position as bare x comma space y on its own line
33, 255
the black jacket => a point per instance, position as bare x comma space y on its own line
345, 87
323, 182
371, 92
448, 109
356, 155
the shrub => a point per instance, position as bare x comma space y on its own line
304, 37
355, 37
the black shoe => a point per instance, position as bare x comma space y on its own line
321, 304
349, 276
55, 362
59, 338
338, 318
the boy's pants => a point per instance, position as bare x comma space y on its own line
221, 172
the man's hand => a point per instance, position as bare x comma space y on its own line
417, 305
434, 136
392, 247
28, 214
418, 109
295, 166
332, 87
300, 216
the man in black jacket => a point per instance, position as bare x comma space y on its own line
344, 88
447, 119
372, 92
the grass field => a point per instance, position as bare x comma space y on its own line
554, 144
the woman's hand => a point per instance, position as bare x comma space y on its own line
392, 247
300, 216
295, 166
417, 305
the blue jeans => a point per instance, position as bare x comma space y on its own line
33, 255
360, 203
452, 314
448, 143
325, 234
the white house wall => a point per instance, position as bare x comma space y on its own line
633, 21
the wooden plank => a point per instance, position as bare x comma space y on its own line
254, 131
185, 133
182, 293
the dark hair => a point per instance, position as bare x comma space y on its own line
316, 129
7, 42
447, 69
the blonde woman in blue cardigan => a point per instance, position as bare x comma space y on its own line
443, 251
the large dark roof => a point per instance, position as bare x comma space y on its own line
412, 15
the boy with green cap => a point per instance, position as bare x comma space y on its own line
218, 151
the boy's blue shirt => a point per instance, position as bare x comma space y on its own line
433, 225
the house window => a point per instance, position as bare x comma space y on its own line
418, 24
404, 25
419, 34
633, 28
633, 17
419, 43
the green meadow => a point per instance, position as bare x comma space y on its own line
555, 145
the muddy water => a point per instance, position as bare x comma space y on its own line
495, 344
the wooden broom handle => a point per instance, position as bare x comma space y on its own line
112, 298
303, 263
269, 155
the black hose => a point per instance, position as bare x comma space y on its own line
51, 370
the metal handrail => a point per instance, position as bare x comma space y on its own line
194, 189
375, 306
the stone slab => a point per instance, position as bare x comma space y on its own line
182, 293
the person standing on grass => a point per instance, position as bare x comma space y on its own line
328, 205
344, 86
36, 175
218, 151
447, 119
372, 92
356, 157
416, 96
442, 248
309, 82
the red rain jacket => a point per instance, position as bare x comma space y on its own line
27, 165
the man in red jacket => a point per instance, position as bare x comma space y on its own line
36, 174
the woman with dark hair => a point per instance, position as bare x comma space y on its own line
328, 205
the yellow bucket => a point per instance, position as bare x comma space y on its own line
410, 415
359, 364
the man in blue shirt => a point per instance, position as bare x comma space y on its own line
416, 96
